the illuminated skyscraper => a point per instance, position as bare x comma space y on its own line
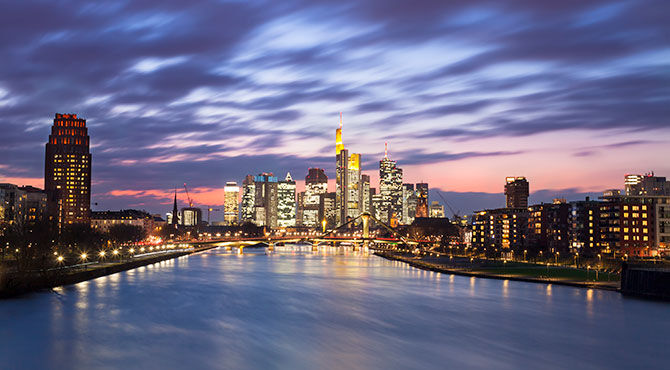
316, 183
354, 181
390, 189
516, 191
376, 205
266, 200
67, 171
639, 185
365, 194
341, 177
231, 193
191, 216
436, 210
248, 206
286, 202
327, 209
409, 201
348, 180
421, 200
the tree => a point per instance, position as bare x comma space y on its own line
123, 233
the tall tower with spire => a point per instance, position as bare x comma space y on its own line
339, 146
348, 180
341, 177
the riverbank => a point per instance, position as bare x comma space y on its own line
59, 278
503, 271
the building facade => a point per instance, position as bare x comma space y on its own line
409, 202
390, 189
12, 204
286, 202
646, 185
500, 230
584, 221
104, 220
436, 210
248, 204
231, 193
67, 171
316, 184
422, 200
516, 192
366, 195
549, 226
191, 216
266, 200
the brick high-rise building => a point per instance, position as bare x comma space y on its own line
516, 192
67, 171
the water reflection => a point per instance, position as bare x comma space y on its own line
329, 309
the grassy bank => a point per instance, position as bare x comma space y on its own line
520, 271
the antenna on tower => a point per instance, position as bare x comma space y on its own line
386, 149
340, 119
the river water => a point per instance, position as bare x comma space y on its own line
332, 309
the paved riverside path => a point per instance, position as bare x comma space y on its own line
93, 271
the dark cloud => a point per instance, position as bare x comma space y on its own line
169, 87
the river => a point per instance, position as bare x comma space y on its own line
332, 309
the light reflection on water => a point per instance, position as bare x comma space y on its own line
333, 309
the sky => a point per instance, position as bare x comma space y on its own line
572, 94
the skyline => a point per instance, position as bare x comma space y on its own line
465, 111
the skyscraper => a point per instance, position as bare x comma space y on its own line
436, 210
516, 191
67, 171
354, 181
265, 210
365, 194
231, 192
327, 210
409, 201
341, 177
421, 200
647, 184
390, 189
286, 202
191, 216
348, 180
316, 183
248, 206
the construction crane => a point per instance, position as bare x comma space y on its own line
190, 202
456, 214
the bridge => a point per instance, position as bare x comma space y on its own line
330, 237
